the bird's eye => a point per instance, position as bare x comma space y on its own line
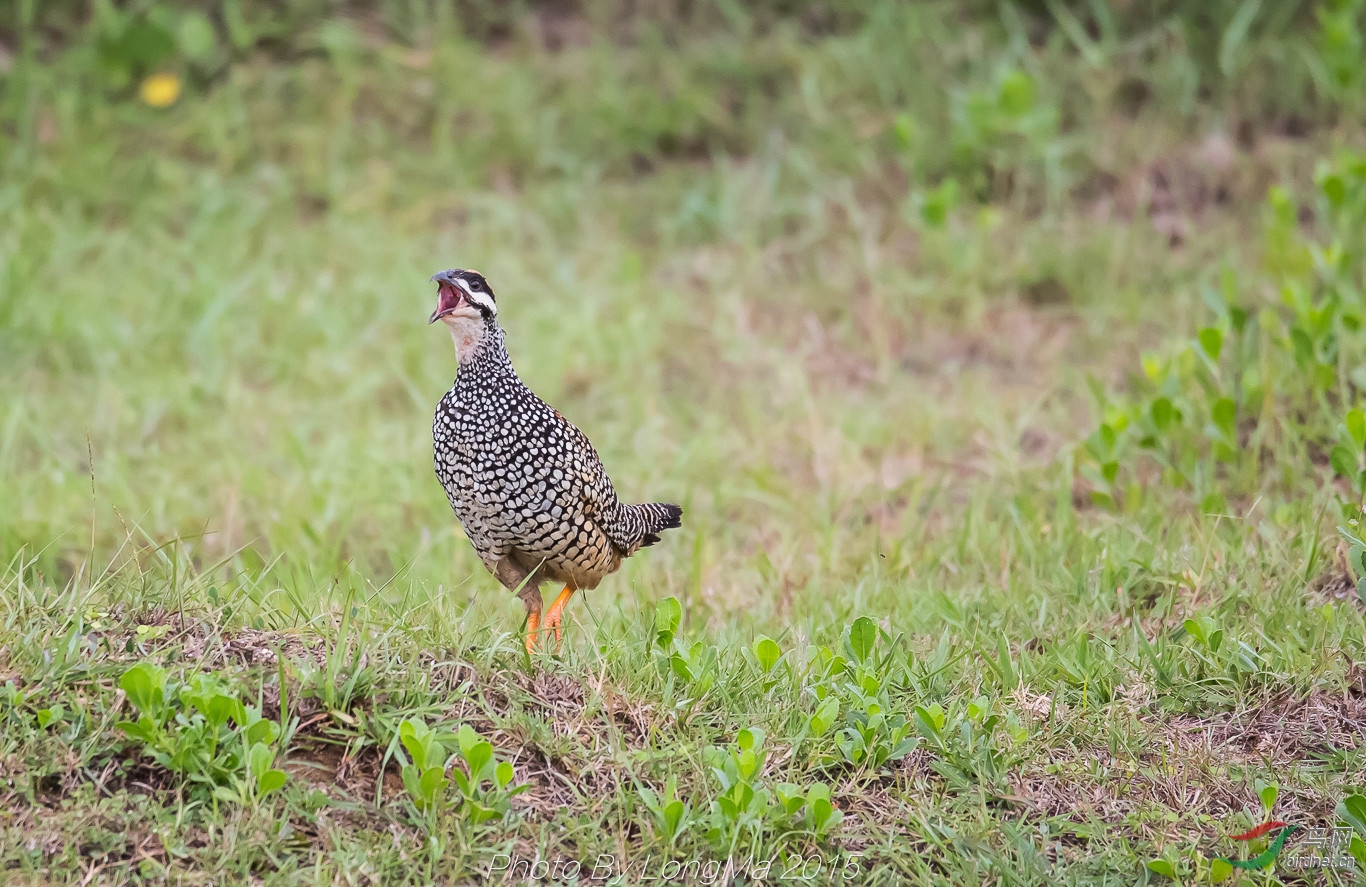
475, 286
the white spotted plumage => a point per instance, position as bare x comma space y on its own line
526, 484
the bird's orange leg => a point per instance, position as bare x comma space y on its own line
555, 615
533, 625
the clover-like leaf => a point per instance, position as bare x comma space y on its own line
478, 756
767, 651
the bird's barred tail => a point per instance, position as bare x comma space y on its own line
658, 517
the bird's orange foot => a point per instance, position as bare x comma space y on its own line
533, 627
554, 617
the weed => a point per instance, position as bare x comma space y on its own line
672, 815
202, 732
484, 783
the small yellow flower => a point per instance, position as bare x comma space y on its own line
160, 90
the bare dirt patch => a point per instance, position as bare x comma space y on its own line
1199, 766
1281, 731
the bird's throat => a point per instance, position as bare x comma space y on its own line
469, 335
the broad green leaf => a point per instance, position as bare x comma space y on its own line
862, 637
668, 615
1211, 342
1356, 427
1162, 413
747, 764
478, 758
1152, 366
1343, 460
145, 729
1357, 850
768, 653
467, 739
930, 719
340, 39
219, 707
1107, 437
433, 784
1334, 188
680, 667
1016, 94
271, 780
1303, 345
144, 684
413, 734
479, 813
1225, 415
1214, 503
196, 36
1352, 810
1162, 867
789, 797
260, 759
239, 31
673, 817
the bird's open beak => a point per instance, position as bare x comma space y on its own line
449, 298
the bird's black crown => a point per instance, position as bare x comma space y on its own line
473, 279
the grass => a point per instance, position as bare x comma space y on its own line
728, 252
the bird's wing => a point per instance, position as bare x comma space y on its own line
600, 502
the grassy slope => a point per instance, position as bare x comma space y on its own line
729, 289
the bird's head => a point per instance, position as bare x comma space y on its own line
464, 303
463, 294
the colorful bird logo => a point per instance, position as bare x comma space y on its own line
1267, 856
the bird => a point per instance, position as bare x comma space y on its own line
524, 482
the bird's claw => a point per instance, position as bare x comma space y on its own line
553, 620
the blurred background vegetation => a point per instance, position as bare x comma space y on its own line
217, 218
